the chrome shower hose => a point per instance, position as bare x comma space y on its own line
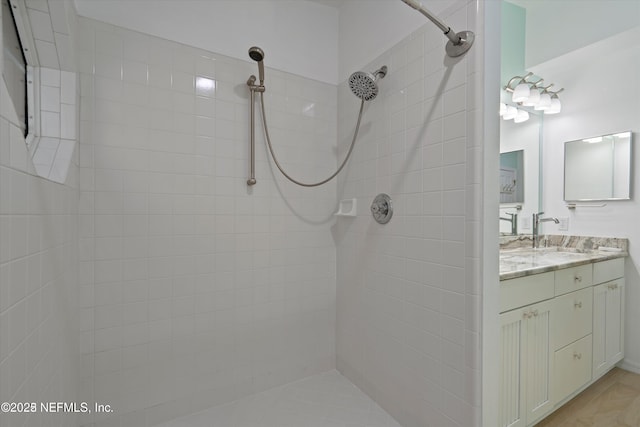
275, 160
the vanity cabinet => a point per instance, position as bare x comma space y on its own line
561, 331
608, 316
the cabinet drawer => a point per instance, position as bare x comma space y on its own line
572, 366
605, 271
526, 290
572, 317
574, 278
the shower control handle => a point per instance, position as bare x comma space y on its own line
382, 208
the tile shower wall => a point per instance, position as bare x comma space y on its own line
408, 299
39, 355
198, 290
38, 285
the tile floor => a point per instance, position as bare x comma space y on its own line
324, 400
612, 401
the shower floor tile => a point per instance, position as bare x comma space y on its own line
324, 400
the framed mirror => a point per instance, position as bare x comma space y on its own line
598, 168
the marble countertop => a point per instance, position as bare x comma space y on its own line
528, 261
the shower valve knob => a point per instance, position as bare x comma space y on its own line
382, 209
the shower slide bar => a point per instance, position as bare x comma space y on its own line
459, 43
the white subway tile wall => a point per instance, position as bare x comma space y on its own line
39, 359
408, 299
197, 290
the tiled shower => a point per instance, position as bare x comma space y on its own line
155, 280
201, 290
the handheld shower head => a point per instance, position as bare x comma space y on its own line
364, 85
257, 55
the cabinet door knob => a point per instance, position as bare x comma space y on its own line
526, 314
577, 278
535, 313
577, 355
577, 304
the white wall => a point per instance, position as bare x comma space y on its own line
409, 292
602, 96
204, 290
557, 27
300, 37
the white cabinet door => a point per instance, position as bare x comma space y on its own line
512, 409
608, 325
539, 361
599, 325
615, 322
526, 365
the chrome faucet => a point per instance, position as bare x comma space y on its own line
536, 226
513, 221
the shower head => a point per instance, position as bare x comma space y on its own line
257, 55
364, 85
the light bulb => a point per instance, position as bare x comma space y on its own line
555, 106
503, 109
521, 93
522, 116
511, 113
545, 102
534, 98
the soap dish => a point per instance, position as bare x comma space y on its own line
347, 207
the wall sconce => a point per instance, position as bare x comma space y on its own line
533, 94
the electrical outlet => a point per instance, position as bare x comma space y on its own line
564, 224
525, 224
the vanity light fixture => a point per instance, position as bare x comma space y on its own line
522, 116
532, 94
521, 93
509, 112
555, 107
533, 99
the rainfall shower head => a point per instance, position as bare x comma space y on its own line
364, 85
257, 55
